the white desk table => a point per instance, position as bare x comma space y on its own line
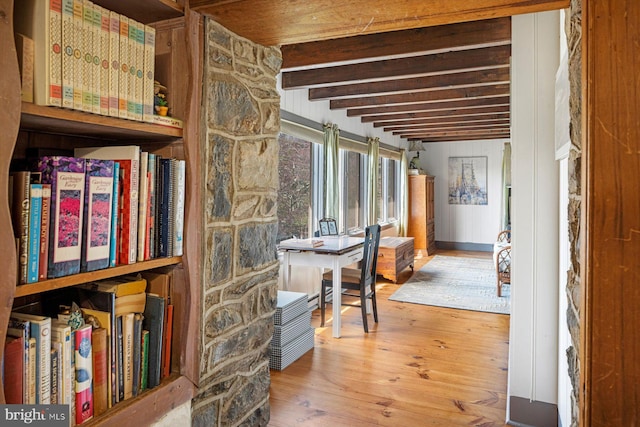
335, 253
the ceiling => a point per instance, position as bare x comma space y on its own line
396, 64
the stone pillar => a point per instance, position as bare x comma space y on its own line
241, 120
573, 27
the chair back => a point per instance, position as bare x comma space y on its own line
503, 266
370, 255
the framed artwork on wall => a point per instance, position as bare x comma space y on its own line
468, 180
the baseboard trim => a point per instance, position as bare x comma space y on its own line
526, 413
465, 246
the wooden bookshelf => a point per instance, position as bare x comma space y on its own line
26, 125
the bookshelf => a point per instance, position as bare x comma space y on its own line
25, 125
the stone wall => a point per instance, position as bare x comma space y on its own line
573, 27
241, 115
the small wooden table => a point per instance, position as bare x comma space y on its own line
394, 255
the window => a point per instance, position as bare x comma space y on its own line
390, 189
294, 197
354, 196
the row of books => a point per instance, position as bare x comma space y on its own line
106, 206
114, 347
85, 57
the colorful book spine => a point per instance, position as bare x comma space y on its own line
144, 360
78, 53
44, 232
41, 21
96, 60
68, 60
61, 332
165, 219
120, 355
179, 201
98, 214
87, 56
22, 328
123, 79
133, 66
103, 51
114, 63
127, 350
142, 204
113, 247
84, 374
35, 222
55, 372
139, 75
20, 220
151, 229
149, 73
100, 370
168, 337
32, 383
67, 178
41, 331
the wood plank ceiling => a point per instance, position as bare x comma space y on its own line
393, 64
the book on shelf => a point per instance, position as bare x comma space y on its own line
99, 177
144, 360
20, 219
120, 356
43, 258
68, 59
127, 353
113, 246
61, 333
142, 204
166, 217
78, 49
96, 63
121, 285
160, 284
151, 216
179, 201
84, 374
35, 223
123, 78
56, 347
87, 57
137, 352
166, 342
154, 323
103, 53
114, 63
100, 350
32, 371
25, 51
66, 176
137, 52
40, 329
133, 65
22, 328
148, 110
13, 375
133, 303
129, 159
41, 21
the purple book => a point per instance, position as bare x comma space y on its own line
67, 179
98, 194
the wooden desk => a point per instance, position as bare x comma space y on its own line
394, 255
335, 253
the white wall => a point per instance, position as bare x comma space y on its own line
533, 350
465, 223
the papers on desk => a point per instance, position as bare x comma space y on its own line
302, 243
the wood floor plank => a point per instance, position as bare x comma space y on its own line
421, 365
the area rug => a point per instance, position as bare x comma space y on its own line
456, 282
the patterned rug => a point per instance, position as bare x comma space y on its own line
456, 282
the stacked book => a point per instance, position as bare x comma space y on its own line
293, 334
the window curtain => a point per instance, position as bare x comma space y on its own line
403, 214
330, 151
372, 196
506, 185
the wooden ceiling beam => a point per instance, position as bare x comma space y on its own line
461, 36
467, 130
438, 81
388, 125
452, 133
438, 114
279, 22
472, 92
425, 106
464, 138
454, 125
448, 62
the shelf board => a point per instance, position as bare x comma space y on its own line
76, 279
145, 11
70, 122
149, 406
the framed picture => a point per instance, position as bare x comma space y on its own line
328, 227
468, 180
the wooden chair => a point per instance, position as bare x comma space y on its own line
503, 268
360, 283
504, 236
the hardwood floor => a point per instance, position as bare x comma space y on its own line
419, 366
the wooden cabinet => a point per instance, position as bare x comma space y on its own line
26, 126
421, 224
394, 255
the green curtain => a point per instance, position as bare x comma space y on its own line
506, 185
403, 213
372, 196
331, 191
